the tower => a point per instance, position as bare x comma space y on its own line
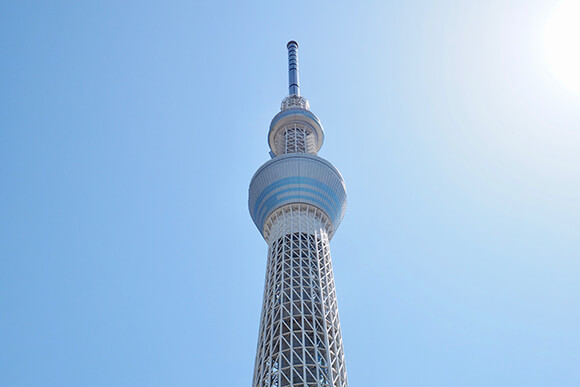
297, 200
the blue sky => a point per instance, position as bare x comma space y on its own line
129, 132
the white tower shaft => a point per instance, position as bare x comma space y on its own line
300, 342
297, 200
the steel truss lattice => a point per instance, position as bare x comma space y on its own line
295, 139
299, 342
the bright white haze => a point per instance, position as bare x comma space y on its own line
562, 43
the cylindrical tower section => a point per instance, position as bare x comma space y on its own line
295, 130
297, 178
299, 343
295, 138
293, 81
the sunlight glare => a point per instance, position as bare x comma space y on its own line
562, 43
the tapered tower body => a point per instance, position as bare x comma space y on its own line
297, 200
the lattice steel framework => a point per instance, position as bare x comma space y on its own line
300, 342
297, 201
295, 138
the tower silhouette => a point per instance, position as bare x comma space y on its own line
297, 200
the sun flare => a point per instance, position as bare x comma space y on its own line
562, 43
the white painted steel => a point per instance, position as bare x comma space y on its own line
300, 343
297, 178
297, 200
300, 117
295, 138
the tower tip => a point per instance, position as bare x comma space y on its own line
293, 83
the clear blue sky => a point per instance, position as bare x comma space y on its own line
129, 132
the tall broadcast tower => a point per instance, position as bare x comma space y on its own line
297, 200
